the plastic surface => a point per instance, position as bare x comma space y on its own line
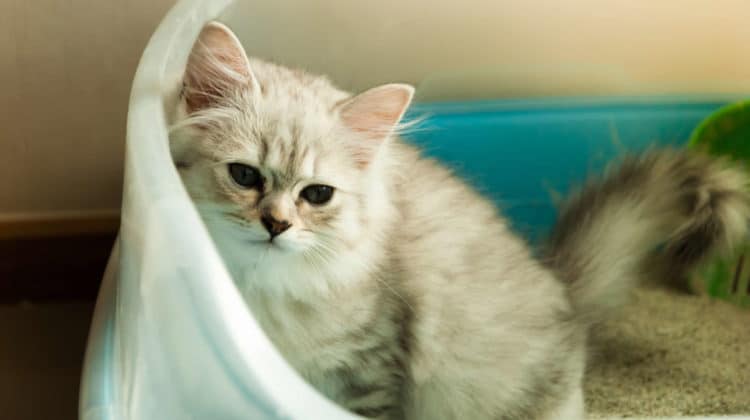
726, 132
524, 153
172, 338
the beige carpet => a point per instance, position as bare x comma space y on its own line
670, 355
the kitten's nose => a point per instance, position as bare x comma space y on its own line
273, 226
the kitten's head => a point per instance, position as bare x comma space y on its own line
286, 169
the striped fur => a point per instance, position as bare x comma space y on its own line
663, 210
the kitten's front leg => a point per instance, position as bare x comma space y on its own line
371, 383
376, 407
374, 390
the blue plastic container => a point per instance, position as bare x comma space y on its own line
522, 153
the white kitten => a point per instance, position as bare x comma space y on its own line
388, 283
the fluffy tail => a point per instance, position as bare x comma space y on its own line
668, 208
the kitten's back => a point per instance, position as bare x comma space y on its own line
492, 324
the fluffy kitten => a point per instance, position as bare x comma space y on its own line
388, 283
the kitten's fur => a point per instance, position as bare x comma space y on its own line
407, 295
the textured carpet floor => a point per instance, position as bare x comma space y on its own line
671, 355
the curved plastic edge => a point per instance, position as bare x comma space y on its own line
96, 391
147, 142
571, 103
697, 134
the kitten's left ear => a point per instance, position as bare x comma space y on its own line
375, 114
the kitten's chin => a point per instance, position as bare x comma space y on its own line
276, 246
289, 266
290, 246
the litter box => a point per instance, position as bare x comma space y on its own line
171, 337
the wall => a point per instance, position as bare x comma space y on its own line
67, 66
485, 48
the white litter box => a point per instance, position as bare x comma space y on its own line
171, 336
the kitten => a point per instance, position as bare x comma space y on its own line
388, 283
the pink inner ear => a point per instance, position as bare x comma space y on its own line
217, 65
377, 111
375, 114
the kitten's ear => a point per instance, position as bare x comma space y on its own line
375, 114
216, 67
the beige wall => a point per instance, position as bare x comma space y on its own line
490, 48
67, 66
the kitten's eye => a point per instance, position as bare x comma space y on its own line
245, 175
317, 194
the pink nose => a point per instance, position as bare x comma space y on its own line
273, 226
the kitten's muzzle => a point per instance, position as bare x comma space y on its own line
273, 226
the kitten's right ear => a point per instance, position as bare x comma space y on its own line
217, 67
